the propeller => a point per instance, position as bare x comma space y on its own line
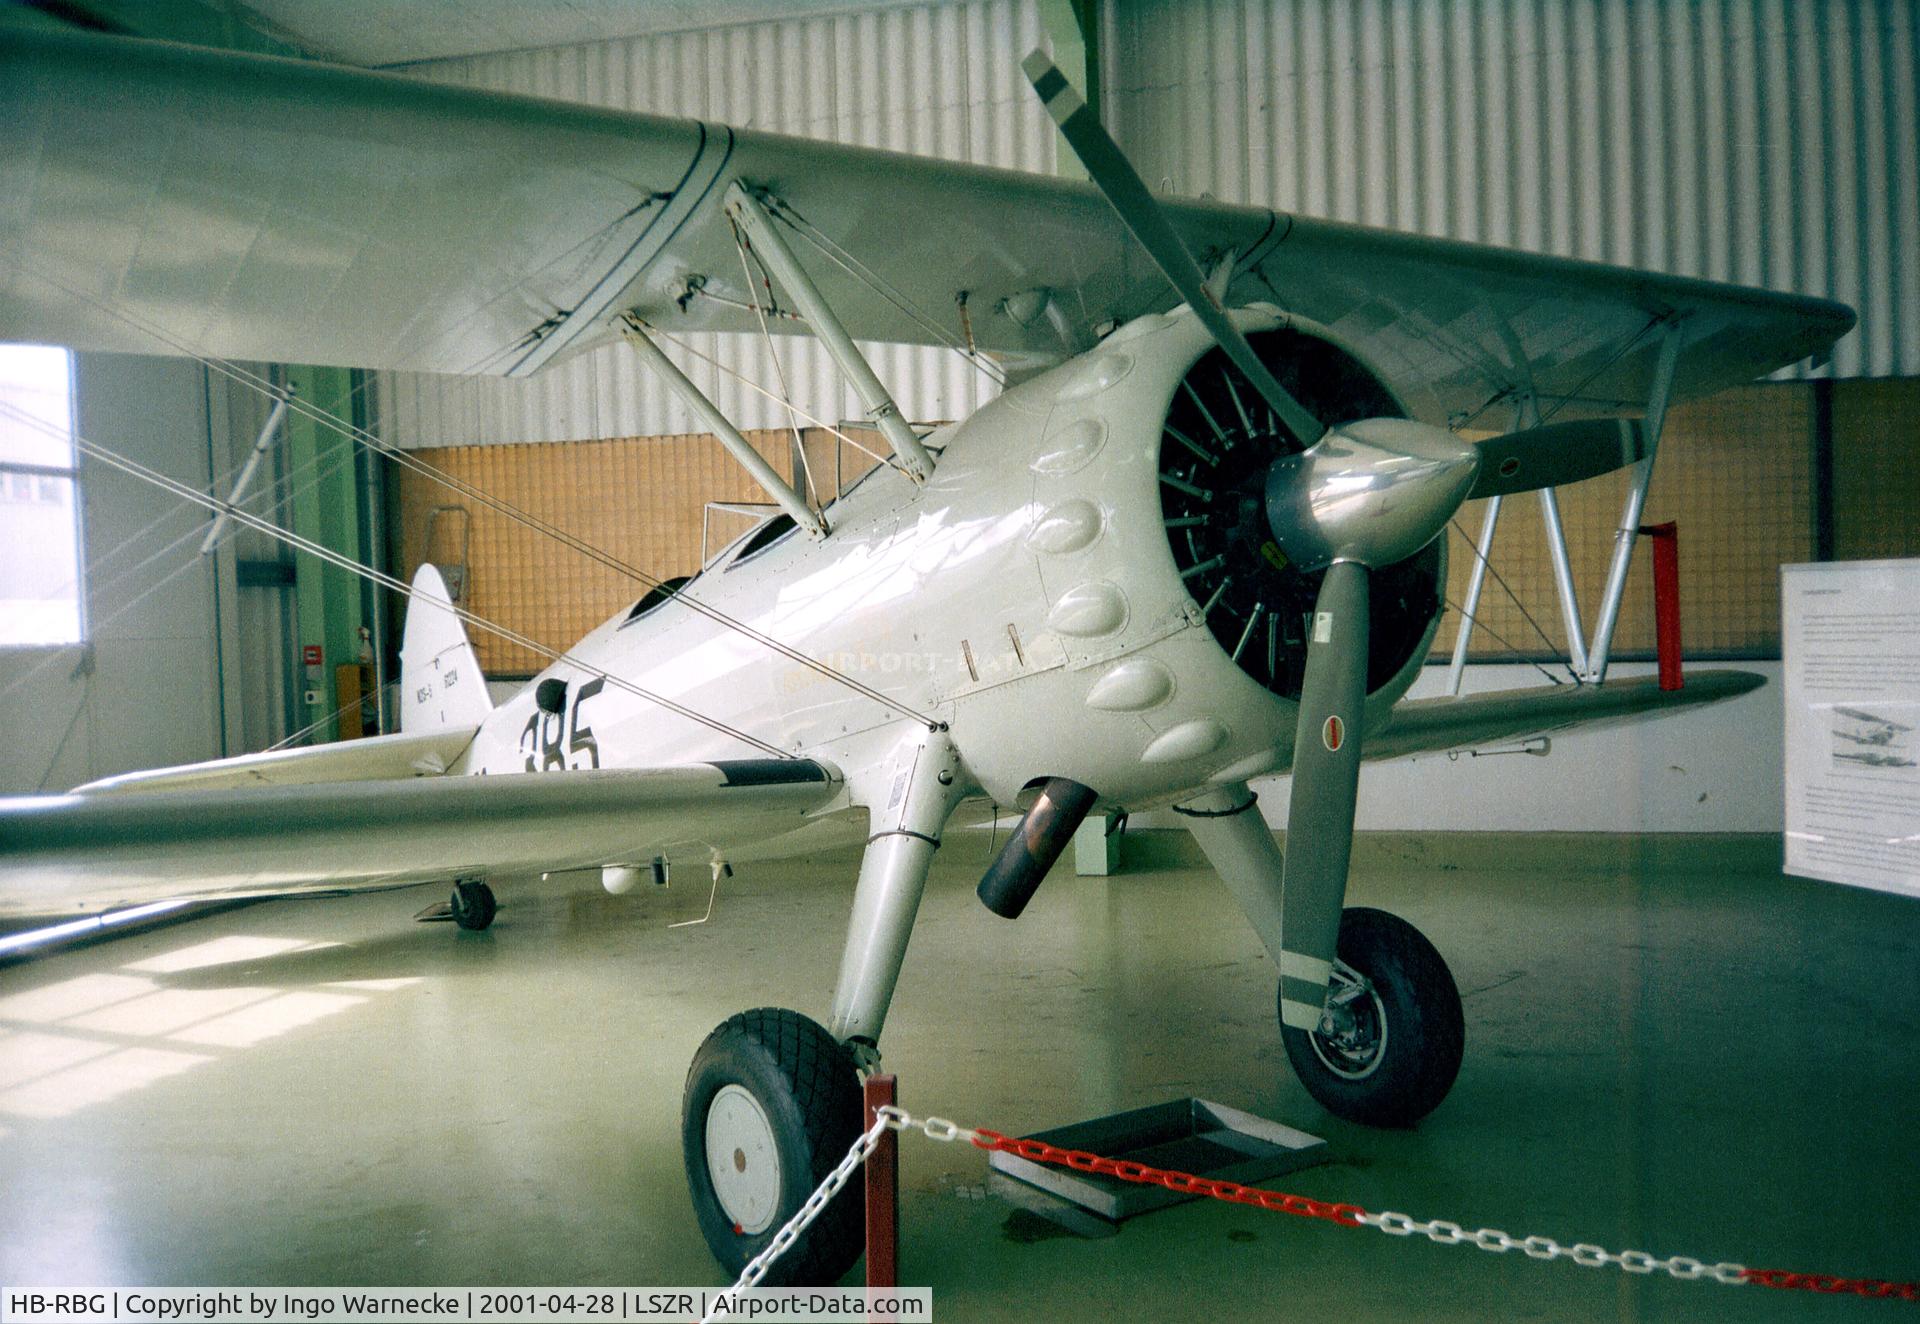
1516, 462
1556, 454
1355, 498
1109, 168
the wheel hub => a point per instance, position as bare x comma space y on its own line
1351, 1040
742, 1160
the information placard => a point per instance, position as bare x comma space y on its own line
1850, 641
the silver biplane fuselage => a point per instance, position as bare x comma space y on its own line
1026, 595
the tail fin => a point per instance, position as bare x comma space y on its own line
440, 680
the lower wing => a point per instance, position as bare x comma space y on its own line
1428, 725
98, 851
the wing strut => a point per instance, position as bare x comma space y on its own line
1526, 419
244, 479
1541, 458
1476, 580
853, 365
723, 429
1629, 531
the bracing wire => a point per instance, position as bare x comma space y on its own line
687, 348
1501, 639
366, 697
598, 236
409, 461
1499, 579
1645, 331
867, 276
103, 585
1561, 401
98, 562
115, 460
192, 535
780, 373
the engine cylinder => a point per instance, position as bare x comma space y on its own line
1218, 441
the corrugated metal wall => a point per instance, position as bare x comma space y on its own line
937, 79
1769, 142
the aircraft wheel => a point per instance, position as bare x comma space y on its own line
772, 1105
1390, 1046
473, 905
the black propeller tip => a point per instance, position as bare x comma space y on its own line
1055, 92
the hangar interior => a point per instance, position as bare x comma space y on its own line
1671, 1043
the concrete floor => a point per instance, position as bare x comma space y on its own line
1670, 1047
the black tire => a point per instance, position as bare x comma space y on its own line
807, 1090
473, 906
1397, 1078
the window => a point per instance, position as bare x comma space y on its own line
657, 596
773, 531
39, 499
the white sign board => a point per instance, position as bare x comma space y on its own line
1850, 641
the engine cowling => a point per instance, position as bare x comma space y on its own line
1218, 444
1110, 674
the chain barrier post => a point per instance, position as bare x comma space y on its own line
883, 1189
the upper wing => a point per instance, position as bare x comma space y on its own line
1427, 725
94, 852
161, 199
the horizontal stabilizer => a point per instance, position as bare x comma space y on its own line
377, 758
1557, 454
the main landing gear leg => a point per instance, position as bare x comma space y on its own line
773, 1099
1369, 1012
921, 792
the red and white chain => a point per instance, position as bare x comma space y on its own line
934, 1128
1436, 1230
1546, 1248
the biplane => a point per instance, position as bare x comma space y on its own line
1196, 540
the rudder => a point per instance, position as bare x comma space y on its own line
440, 680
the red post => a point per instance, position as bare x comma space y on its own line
883, 1191
1666, 600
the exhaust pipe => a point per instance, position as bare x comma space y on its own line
1016, 873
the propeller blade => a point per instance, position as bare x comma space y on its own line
1115, 176
1558, 453
1326, 782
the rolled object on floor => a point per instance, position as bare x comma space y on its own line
1015, 874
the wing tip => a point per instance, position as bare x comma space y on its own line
1727, 684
